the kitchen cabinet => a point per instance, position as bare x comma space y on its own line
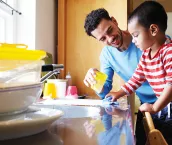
76, 50
167, 4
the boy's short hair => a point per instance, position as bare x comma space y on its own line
150, 12
94, 18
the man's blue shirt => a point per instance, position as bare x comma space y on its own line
124, 64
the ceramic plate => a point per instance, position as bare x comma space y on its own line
28, 123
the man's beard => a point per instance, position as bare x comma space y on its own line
120, 49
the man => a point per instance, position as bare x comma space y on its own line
119, 55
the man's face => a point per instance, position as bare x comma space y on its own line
142, 37
108, 33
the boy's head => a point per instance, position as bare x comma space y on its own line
146, 22
104, 28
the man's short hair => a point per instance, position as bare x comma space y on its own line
94, 18
150, 12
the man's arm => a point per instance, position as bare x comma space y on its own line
108, 84
106, 68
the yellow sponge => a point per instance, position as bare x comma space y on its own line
100, 80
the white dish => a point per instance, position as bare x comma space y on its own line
29, 123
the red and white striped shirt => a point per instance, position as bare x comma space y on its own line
157, 70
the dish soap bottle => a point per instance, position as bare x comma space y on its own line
69, 79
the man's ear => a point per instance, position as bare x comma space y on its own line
154, 29
114, 21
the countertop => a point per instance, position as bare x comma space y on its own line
84, 125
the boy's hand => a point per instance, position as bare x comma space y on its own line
146, 107
114, 95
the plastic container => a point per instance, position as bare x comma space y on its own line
8, 45
60, 87
21, 54
50, 91
72, 92
100, 80
19, 72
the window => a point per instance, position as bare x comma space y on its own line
7, 22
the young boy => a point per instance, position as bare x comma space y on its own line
147, 25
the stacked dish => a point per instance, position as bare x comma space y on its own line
20, 87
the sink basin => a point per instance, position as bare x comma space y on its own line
71, 111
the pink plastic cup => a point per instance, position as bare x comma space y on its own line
72, 92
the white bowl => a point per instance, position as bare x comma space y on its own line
17, 99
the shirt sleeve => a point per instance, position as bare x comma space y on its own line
135, 81
106, 68
167, 60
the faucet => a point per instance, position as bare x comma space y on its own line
53, 69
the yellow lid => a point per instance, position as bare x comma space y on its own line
21, 54
8, 45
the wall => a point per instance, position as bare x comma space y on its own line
167, 5
169, 27
46, 26
36, 26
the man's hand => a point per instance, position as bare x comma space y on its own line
89, 77
146, 107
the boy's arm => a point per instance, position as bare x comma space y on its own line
163, 100
166, 95
128, 88
135, 81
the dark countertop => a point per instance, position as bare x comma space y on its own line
84, 125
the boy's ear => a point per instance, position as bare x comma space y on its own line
114, 21
154, 29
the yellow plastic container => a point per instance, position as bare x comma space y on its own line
20, 72
100, 80
8, 45
21, 54
50, 91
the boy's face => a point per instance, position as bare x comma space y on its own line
108, 33
142, 37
